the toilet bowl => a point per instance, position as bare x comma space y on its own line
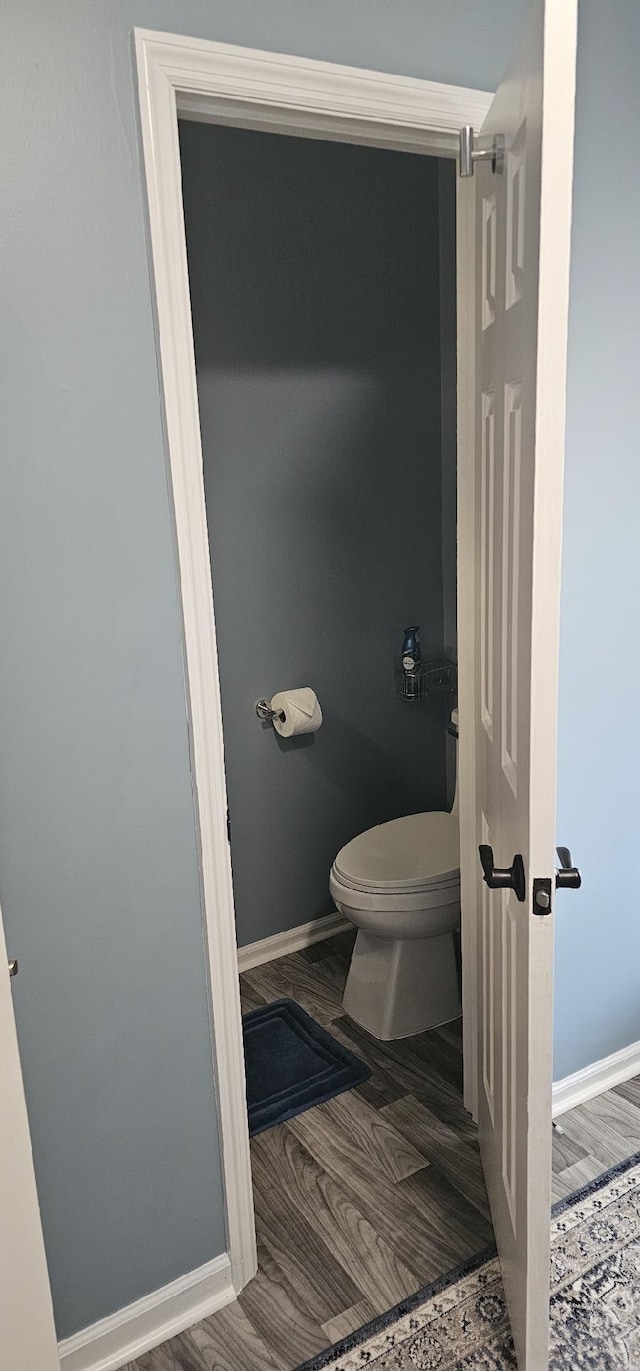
399, 883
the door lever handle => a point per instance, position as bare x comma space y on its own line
503, 877
567, 876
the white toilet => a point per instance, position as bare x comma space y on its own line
399, 884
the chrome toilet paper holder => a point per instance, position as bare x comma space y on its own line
264, 711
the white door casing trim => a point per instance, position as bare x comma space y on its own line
138, 1327
270, 91
249, 88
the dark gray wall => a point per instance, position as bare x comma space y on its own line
316, 303
597, 995
98, 870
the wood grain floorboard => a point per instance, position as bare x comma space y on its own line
249, 998
225, 1342
229, 1342
612, 1111
375, 1268
342, 944
565, 1151
441, 1146
275, 1308
380, 1088
452, 1032
597, 1135
432, 1057
606, 1127
316, 952
294, 1239
335, 970
442, 1208
430, 1241
573, 1177
419, 1079
315, 987
443, 1055
387, 1149
629, 1090
349, 1321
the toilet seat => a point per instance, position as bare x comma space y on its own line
409, 856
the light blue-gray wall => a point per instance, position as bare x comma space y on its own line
315, 288
98, 869
598, 928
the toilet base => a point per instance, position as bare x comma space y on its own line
400, 986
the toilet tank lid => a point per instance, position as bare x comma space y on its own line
416, 850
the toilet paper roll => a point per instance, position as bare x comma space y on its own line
301, 710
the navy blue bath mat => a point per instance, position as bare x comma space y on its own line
292, 1063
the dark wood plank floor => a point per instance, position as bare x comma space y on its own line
364, 1199
359, 1201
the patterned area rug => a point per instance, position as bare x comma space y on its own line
461, 1323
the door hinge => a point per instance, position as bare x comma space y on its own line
542, 897
469, 153
228, 826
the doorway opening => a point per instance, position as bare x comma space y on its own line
511, 356
263, 93
323, 296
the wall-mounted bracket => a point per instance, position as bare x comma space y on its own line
470, 154
264, 711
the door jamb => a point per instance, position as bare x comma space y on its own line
466, 630
244, 87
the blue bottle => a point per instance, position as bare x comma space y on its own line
411, 647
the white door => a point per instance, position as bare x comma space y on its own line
522, 270
26, 1316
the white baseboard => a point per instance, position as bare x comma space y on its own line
595, 1079
138, 1327
254, 954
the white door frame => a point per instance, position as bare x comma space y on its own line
242, 87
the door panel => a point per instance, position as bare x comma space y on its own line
523, 217
26, 1317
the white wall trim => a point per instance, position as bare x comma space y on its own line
138, 1327
281, 944
596, 1079
262, 90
